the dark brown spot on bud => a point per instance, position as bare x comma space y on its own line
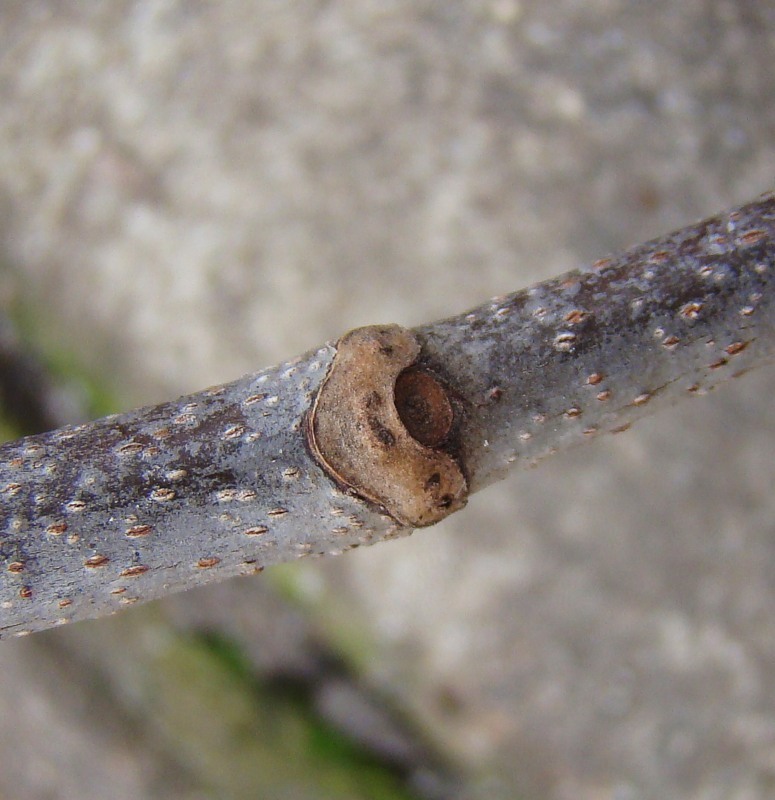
424, 408
384, 436
433, 481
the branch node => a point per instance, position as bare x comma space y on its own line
379, 425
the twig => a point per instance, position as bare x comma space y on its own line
384, 431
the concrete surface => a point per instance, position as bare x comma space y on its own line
190, 190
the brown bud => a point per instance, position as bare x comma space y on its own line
377, 426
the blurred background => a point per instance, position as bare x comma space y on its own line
190, 191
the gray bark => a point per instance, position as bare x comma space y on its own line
593, 350
228, 481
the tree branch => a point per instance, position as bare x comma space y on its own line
387, 430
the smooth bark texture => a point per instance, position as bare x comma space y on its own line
224, 482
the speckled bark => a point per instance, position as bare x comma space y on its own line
162, 499
223, 482
595, 349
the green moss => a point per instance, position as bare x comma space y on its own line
8, 431
288, 581
249, 738
300, 585
66, 367
63, 363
